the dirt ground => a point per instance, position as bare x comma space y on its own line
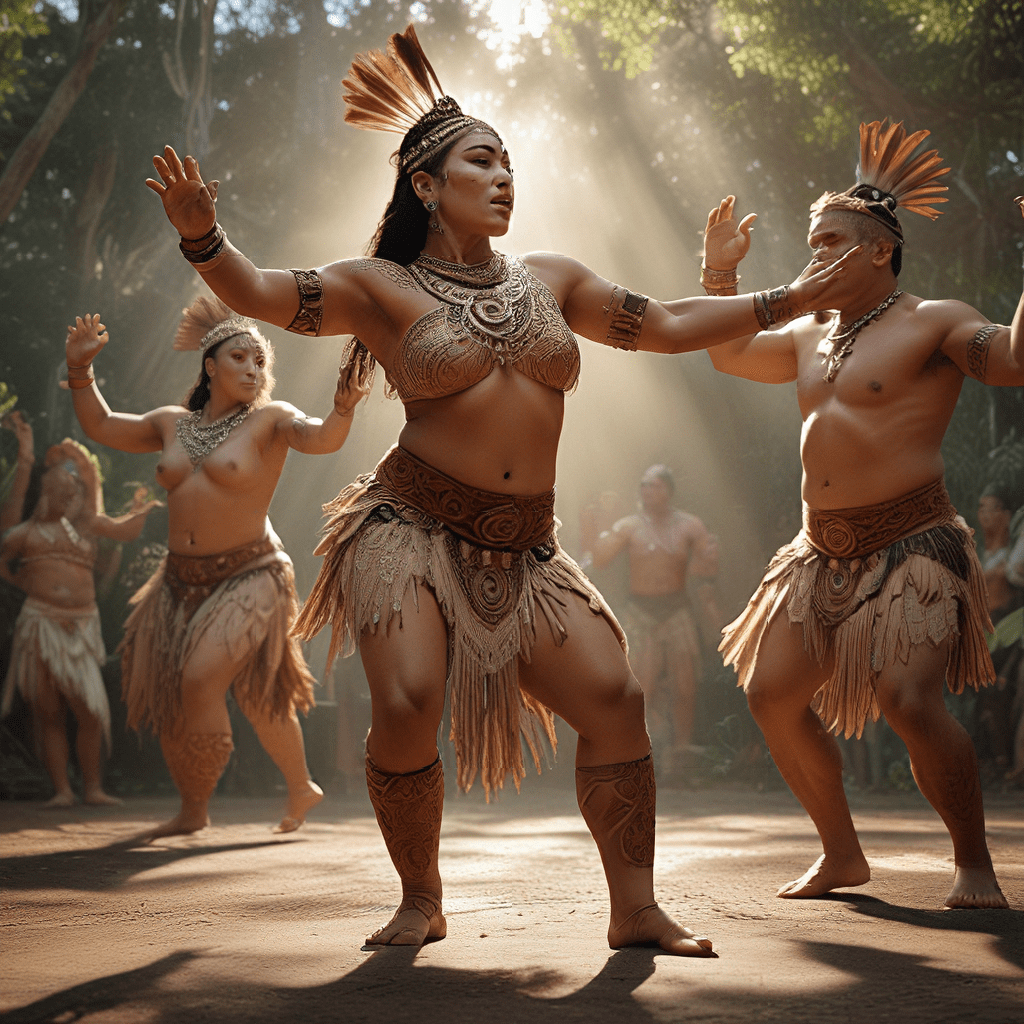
236, 924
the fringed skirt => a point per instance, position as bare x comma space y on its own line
869, 584
663, 620
63, 646
494, 565
238, 605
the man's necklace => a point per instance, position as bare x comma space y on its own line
199, 441
842, 338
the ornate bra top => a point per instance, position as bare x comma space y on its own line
493, 312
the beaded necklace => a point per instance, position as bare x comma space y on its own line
842, 338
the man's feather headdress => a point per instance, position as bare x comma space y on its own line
890, 177
396, 90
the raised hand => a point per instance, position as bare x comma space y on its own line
351, 390
86, 337
726, 242
23, 431
811, 290
188, 200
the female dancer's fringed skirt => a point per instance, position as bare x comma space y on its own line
237, 605
61, 646
868, 584
494, 565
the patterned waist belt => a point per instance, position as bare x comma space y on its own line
502, 522
856, 532
209, 570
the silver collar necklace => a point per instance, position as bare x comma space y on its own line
198, 441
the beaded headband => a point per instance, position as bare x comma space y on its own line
233, 328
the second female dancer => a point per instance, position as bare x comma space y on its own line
442, 565
216, 614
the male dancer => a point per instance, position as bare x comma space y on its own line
664, 545
881, 596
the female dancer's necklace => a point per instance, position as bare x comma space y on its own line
199, 441
842, 338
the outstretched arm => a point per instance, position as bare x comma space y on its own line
989, 352
611, 542
338, 300
126, 432
320, 437
127, 527
615, 316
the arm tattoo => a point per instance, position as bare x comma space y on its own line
394, 272
627, 317
311, 303
977, 351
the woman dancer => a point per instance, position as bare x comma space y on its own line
57, 652
216, 614
442, 564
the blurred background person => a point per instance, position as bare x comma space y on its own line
57, 649
664, 547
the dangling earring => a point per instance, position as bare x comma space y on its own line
433, 223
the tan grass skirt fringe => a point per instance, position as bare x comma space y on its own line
216, 598
407, 523
910, 575
63, 646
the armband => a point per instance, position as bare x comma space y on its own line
977, 351
627, 317
311, 303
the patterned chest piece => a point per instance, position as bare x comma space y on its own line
199, 441
491, 304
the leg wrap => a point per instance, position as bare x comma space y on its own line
617, 801
408, 809
197, 764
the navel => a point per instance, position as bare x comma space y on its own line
875, 385
507, 475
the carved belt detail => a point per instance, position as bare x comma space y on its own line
488, 519
857, 532
192, 578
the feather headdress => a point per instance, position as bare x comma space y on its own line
890, 177
396, 90
208, 321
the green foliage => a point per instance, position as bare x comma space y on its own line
19, 20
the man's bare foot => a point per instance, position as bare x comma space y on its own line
60, 800
651, 926
824, 875
975, 888
97, 798
410, 927
299, 805
183, 824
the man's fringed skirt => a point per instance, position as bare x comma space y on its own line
198, 612
868, 584
494, 565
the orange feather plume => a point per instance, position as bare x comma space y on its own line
887, 163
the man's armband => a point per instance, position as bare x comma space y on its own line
311, 303
626, 310
977, 351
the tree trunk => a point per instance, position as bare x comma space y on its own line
30, 151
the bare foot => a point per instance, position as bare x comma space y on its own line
299, 806
60, 800
97, 798
976, 888
411, 926
824, 876
183, 824
651, 926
